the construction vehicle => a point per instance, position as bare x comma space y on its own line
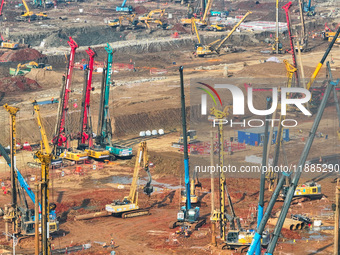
204, 50
44, 143
201, 23
85, 139
191, 136
216, 27
129, 207
221, 215
29, 15
308, 8
20, 216
62, 137
241, 240
26, 68
119, 25
292, 185
9, 45
193, 184
186, 216
219, 13
104, 128
309, 189
124, 8
150, 18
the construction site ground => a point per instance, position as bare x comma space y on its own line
141, 101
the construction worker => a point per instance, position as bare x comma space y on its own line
112, 243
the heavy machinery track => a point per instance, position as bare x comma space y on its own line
136, 213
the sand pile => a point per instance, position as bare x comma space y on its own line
18, 83
268, 69
21, 55
141, 9
45, 78
179, 28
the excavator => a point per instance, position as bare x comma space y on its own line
204, 50
62, 137
119, 25
150, 18
128, 207
85, 139
20, 216
25, 68
150, 15
124, 8
29, 15
104, 129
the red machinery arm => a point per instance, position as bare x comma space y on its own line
61, 136
286, 8
1, 6
86, 132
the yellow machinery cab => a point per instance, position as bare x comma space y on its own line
98, 154
74, 155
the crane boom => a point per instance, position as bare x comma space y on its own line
61, 136
104, 122
86, 127
194, 27
292, 185
207, 9
320, 64
42, 129
232, 31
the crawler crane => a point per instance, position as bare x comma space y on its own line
104, 129
215, 46
62, 137
29, 15
186, 216
85, 139
129, 207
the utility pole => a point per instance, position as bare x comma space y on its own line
336, 219
36, 214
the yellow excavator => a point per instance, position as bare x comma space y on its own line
29, 15
25, 68
204, 50
150, 15
119, 23
129, 207
148, 19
